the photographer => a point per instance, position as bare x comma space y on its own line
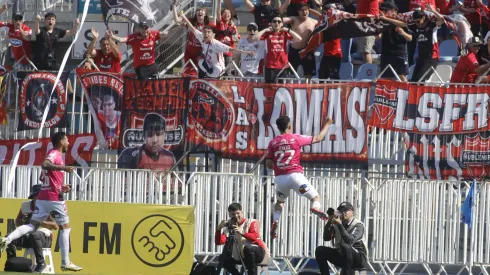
37, 240
345, 233
241, 234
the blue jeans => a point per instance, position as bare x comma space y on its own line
345, 45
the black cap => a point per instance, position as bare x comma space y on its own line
18, 16
475, 40
154, 122
49, 14
252, 26
35, 190
418, 14
144, 24
345, 206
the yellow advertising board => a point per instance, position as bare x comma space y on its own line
120, 238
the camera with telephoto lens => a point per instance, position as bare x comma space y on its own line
333, 212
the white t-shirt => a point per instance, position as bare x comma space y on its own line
248, 62
213, 51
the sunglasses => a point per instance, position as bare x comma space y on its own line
252, 29
276, 21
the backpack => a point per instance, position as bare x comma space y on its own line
202, 269
18, 264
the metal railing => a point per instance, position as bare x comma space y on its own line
408, 222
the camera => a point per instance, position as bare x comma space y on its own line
333, 212
233, 221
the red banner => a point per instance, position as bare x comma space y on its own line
79, 151
237, 119
104, 93
451, 157
428, 109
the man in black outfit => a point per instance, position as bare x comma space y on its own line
37, 240
348, 250
263, 13
46, 40
424, 32
394, 45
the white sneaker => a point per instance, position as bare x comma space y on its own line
71, 267
4, 242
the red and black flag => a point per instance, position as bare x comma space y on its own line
36, 96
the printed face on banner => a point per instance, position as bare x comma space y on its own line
104, 91
35, 98
152, 124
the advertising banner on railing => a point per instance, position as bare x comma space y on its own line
153, 122
429, 109
35, 96
79, 152
237, 119
143, 239
463, 156
104, 92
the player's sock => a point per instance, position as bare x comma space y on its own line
276, 216
20, 231
65, 246
316, 205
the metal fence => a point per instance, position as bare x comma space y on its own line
408, 222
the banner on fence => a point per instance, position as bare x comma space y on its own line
145, 239
412, 108
462, 156
104, 93
237, 119
79, 151
153, 123
35, 96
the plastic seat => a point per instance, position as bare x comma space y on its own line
346, 71
444, 71
367, 72
448, 49
29, 253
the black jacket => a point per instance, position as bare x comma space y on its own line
351, 234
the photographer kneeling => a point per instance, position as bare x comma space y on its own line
241, 234
346, 234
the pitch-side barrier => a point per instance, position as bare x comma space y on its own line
409, 223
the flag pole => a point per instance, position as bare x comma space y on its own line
472, 239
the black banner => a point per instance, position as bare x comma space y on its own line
35, 96
153, 123
136, 11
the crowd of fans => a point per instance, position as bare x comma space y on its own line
274, 40
278, 34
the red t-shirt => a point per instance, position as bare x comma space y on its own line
421, 4
108, 62
276, 57
332, 48
368, 7
473, 18
444, 6
20, 47
285, 152
465, 69
143, 48
225, 33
